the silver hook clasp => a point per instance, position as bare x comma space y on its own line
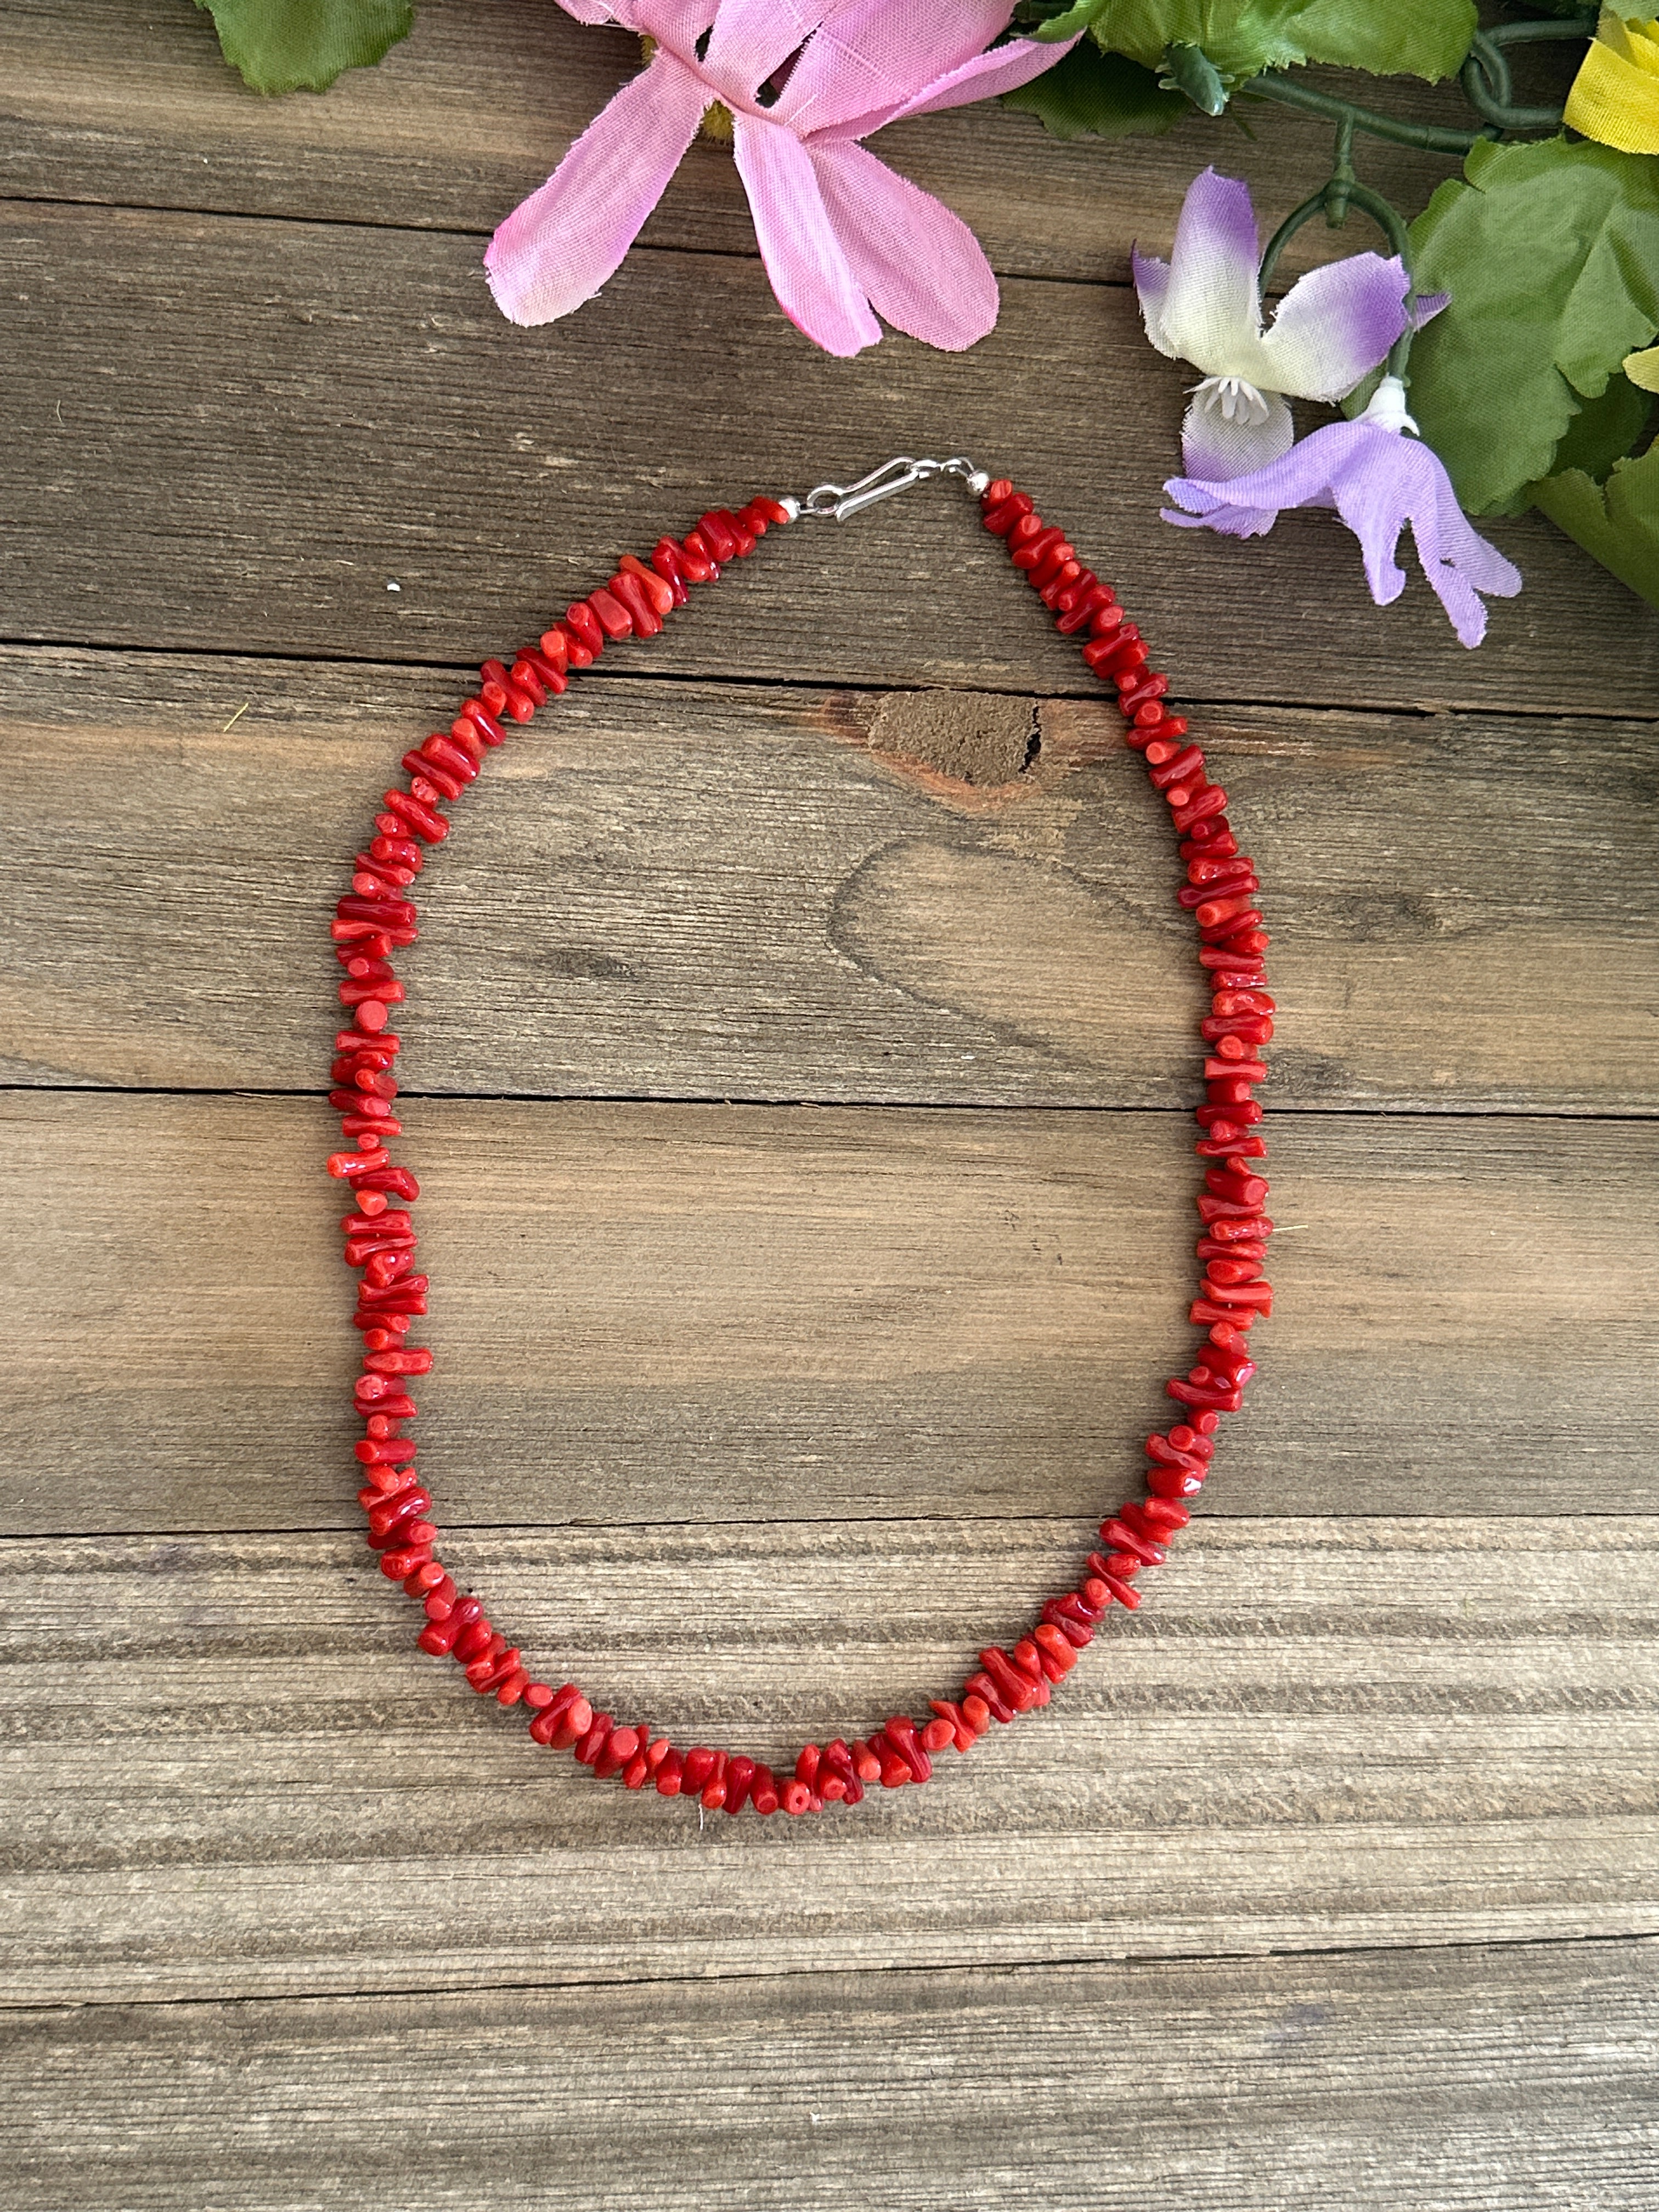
839, 501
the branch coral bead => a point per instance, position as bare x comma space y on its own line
377, 917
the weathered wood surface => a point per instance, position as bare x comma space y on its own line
475, 108
688, 1314
797, 893
1244, 2086
1348, 1733
368, 417
763, 1416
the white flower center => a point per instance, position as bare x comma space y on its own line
1234, 399
1388, 408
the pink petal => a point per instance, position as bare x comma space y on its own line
675, 24
752, 38
870, 56
810, 273
558, 247
920, 265
1003, 70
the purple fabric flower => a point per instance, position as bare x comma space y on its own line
1378, 479
1202, 305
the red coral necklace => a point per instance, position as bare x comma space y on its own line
378, 915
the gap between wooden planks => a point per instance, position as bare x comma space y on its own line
683, 889
361, 414
1518, 2076
1349, 1735
1472, 2078
472, 112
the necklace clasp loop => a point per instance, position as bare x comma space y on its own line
841, 501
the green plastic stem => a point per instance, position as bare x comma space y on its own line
1432, 137
1333, 200
1485, 76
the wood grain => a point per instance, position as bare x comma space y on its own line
330, 438
672, 889
760, 1418
1500, 2080
695, 1314
1352, 1734
473, 110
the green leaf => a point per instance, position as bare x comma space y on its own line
1619, 523
291, 45
1551, 254
1241, 38
1604, 430
1067, 22
1107, 94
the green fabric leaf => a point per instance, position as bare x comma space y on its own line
1107, 94
1241, 38
1551, 254
293, 45
1604, 430
1067, 22
1619, 523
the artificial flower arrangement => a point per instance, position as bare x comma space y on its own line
1520, 308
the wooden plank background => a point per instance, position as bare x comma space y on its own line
801, 1034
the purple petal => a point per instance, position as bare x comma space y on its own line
1298, 478
1152, 278
1335, 326
1377, 480
1457, 561
809, 272
1427, 307
869, 57
920, 265
558, 246
1216, 450
1232, 521
1372, 490
1210, 308
1390, 489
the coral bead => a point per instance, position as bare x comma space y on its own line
611, 616
689, 558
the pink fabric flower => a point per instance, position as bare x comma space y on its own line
843, 238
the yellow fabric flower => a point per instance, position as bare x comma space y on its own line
1642, 368
1615, 95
